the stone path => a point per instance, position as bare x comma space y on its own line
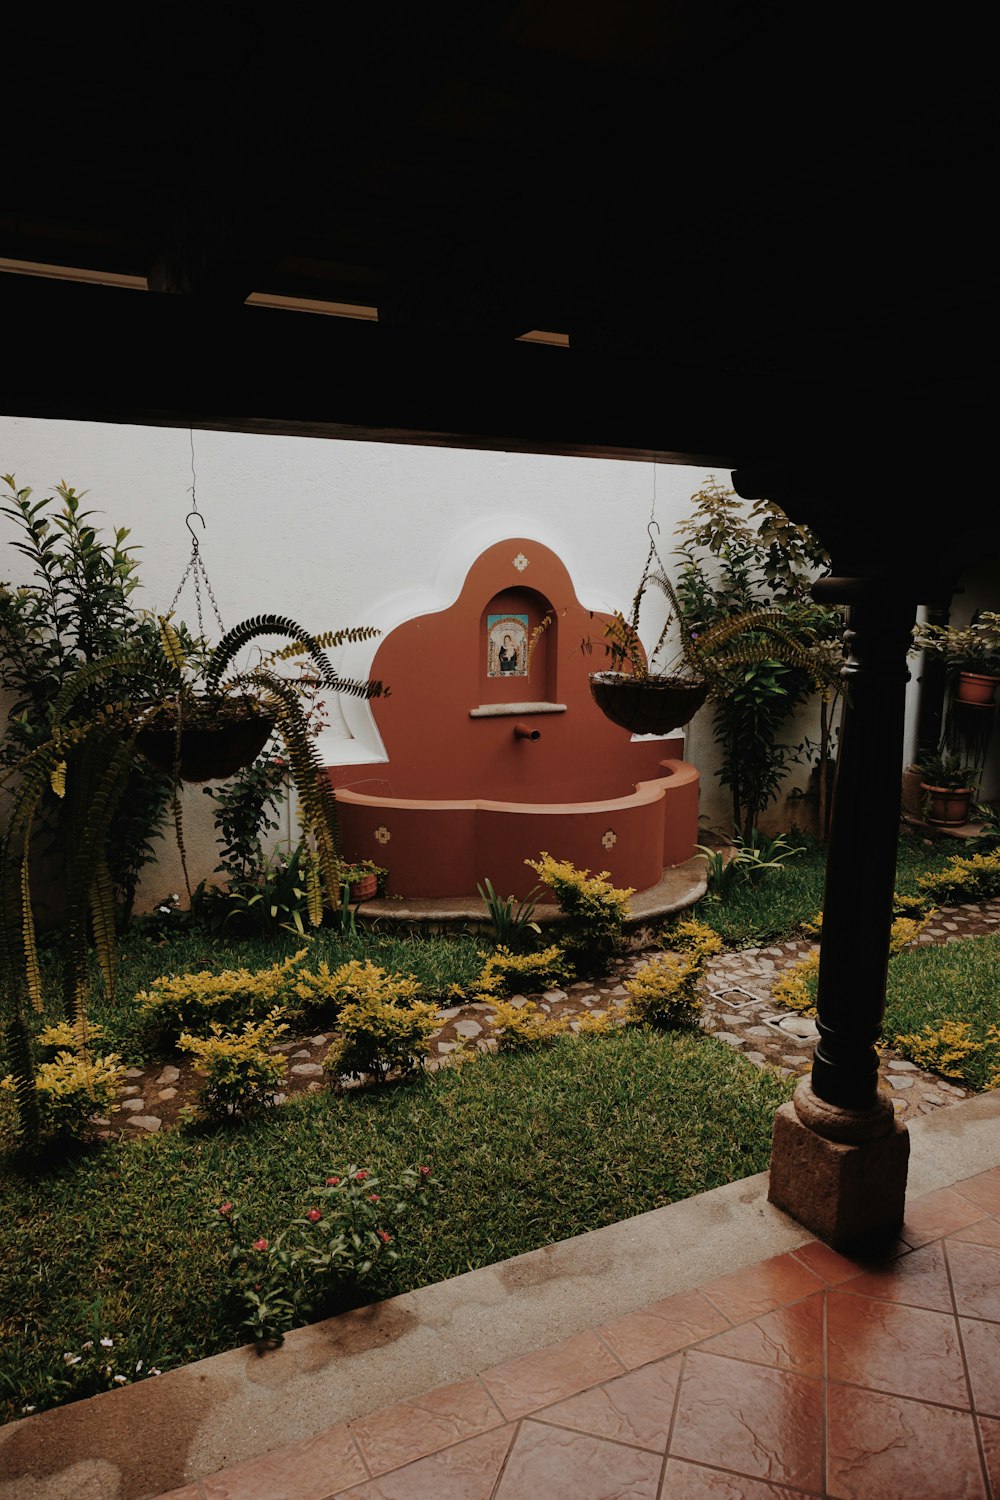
737, 1009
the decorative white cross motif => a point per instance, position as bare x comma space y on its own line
382, 834
609, 840
520, 562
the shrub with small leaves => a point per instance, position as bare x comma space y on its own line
242, 1075
796, 987
975, 878
518, 1028
663, 991
595, 910
694, 938
194, 1002
906, 930
384, 1029
944, 1049
350, 1224
10, 1120
594, 1023
507, 973
72, 1088
64, 1036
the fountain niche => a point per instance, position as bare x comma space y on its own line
496, 751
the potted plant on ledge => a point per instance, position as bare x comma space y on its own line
948, 788
641, 695
971, 652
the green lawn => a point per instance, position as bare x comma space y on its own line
526, 1149
952, 982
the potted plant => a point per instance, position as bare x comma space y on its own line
948, 787
972, 652
646, 697
361, 880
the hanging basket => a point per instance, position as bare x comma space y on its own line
218, 738
647, 705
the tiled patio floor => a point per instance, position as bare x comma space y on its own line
807, 1374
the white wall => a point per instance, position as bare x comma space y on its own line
341, 533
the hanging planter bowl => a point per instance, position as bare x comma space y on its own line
217, 739
647, 705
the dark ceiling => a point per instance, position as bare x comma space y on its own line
763, 226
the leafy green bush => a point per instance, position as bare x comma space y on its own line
512, 919
383, 1028
194, 1002
595, 910
520, 1027
505, 973
334, 1244
72, 1088
663, 992
241, 1073
975, 878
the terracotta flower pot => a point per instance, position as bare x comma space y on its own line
363, 889
947, 805
647, 705
976, 687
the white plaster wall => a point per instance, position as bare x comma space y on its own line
341, 533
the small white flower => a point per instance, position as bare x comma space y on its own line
87, 1344
107, 1343
175, 897
138, 1365
156, 1372
27, 1408
120, 1380
72, 1359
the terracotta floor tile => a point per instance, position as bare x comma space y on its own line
684, 1481
466, 1471
983, 1232
411, 1430
524, 1384
910, 1351
975, 1275
919, 1278
789, 1339
887, 1448
761, 1288
982, 1354
555, 1464
937, 1214
635, 1408
982, 1190
662, 1328
310, 1470
833, 1268
991, 1449
764, 1423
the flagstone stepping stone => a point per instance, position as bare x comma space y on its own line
318, 1041
899, 1065
130, 1089
135, 1073
729, 1037
131, 1105
901, 1083
450, 1013
301, 1052
166, 1094
468, 1028
800, 1026
306, 1070
144, 1122
170, 1074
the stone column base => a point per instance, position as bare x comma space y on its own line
850, 1194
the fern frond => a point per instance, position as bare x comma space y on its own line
170, 643
327, 640
57, 778
102, 921
242, 634
139, 667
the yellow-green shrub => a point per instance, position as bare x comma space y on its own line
795, 988
595, 910
10, 1120
906, 930
73, 1087
662, 993
943, 1049
505, 973
195, 1002
594, 1023
694, 938
383, 1029
518, 1028
241, 1073
66, 1036
965, 879
355, 982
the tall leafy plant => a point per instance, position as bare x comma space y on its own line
733, 562
78, 610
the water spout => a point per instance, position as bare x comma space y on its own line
523, 732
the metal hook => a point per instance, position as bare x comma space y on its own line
649, 530
193, 515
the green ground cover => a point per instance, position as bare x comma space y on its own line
957, 982
122, 1241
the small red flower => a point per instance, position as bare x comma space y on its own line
385, 1238
361, 1174
314, 1216
260, 1244
374, 1198
225, 1209
332, 1181
424, 1171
